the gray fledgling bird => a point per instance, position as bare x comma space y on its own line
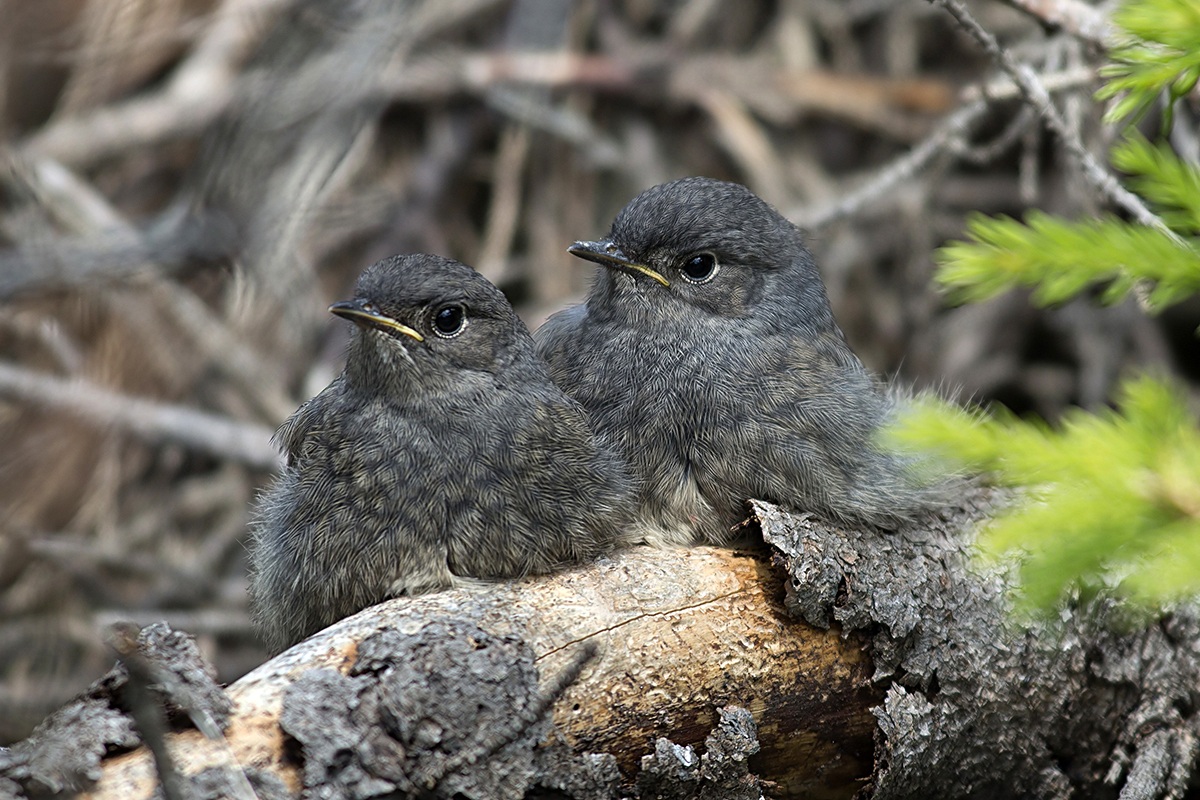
707, 351
442, 452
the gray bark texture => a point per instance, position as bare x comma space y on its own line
1094, 705
433, 700
64, 753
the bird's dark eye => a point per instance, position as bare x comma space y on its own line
700, 268
449, 321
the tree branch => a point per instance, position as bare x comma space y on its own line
678, 634
1073, 16
1035, 93
147, 420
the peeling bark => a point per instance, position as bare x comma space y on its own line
1091, 705
64, 753
679, 634
864, 662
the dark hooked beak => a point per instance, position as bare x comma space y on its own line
607, 254
363, 314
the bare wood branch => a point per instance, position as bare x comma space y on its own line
85, 211
678, 631
198, 91
146, 711
746, 141
949, 135
504, 211
1035, 93
1073, 16
145, 419
896, 172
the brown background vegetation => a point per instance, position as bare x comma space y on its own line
187, 184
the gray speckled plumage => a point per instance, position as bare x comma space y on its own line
428, 462
739, 387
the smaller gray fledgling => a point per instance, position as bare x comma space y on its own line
707, 351
442, 452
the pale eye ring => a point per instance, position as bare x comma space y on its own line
700, 268
449, 321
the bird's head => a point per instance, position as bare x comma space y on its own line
425, 316
711, 245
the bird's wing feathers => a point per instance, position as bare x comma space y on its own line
292, 434
556, 336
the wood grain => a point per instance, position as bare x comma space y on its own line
680, 633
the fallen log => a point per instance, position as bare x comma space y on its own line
844, 660
678, 634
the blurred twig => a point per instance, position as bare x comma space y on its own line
894, 173
1073, 16
87, 213
1035, 93
150, 421
947, 137
145, 709
200, 88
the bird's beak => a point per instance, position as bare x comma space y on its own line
607, 254
358, 312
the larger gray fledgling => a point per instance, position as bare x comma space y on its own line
442, 452
708, 352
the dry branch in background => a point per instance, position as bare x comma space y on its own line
186, 186
1074, 16
1036, 95
226, 439
679, 634
837, 660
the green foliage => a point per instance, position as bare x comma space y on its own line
1110, 498
1157, 50
1169, 183
1060, 259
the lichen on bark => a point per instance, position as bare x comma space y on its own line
978, 703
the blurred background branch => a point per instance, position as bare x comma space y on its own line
186, 184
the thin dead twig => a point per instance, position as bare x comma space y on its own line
41, 262
200, 89
144, 677
85, 211
1035, 93
76, 552
1003, 88
147, 420
145, 709
988, 152
500, 230
899, 170
948, 135
746, 141
1073, 16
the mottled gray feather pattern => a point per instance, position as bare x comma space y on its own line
430, 462
741, 387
